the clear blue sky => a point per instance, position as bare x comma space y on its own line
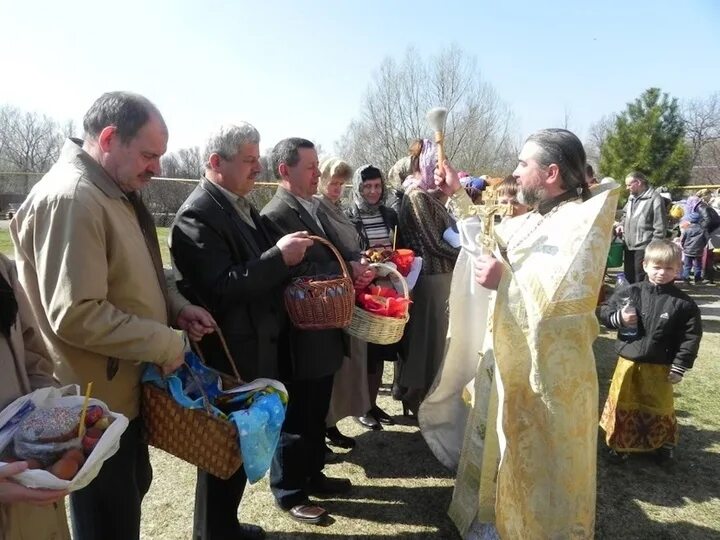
301, 68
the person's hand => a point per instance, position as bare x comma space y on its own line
172, 365
674, 378
196, 321
362, 274
293, 247
488, 271
11, 492
447, 179
619, 230
628, 314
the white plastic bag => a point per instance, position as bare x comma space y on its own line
108, 444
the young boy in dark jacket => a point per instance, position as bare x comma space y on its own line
693, 240
658, 341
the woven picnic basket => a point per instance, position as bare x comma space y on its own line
193, 435
377, 328
318, 303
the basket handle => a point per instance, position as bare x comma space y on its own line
327, 243
206, 399
196, 348
403, 281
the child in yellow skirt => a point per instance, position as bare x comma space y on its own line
659, 331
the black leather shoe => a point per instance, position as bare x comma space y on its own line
308, 513
328, 486
381, 416
338, 439
247, 531
368, 422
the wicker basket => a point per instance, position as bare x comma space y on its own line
193, 435
323, 303
376, 328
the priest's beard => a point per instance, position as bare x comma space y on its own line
531, 195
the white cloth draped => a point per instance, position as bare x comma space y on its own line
444, 412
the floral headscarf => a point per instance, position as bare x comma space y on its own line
428, 163
363, 206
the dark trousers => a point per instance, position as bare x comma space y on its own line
634, 272
300, 456
216, 506
709, 271
109, 507
694, 265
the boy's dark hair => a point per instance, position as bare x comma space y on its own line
663, 252
508, 187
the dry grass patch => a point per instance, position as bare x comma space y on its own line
400, 491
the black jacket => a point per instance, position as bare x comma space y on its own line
314, 353
709, 219
238, 275
390, 217
669, 324
694, 240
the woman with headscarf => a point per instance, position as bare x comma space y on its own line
399, 172
25, 366
423, 220
350, 387
376, 224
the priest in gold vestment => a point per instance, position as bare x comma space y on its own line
528, 462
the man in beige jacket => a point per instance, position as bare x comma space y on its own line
88, 258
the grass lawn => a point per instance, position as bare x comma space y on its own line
403, 492
6, 246
162, 233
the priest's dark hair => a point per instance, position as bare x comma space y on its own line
564, 149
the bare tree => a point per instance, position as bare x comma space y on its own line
702, 125
480, 133
267, 174
596, 135
185, 163
163, 198
566, 118
30, 142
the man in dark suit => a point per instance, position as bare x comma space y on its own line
228, 260
297, 466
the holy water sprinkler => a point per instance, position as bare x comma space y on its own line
436, 118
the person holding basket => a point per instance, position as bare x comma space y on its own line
88, 258
376, 225
297, 468
226, 258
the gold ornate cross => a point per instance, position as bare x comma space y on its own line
487, 213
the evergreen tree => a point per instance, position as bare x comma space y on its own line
649, 136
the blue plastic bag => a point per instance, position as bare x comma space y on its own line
257, 408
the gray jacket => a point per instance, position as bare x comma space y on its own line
644, 219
